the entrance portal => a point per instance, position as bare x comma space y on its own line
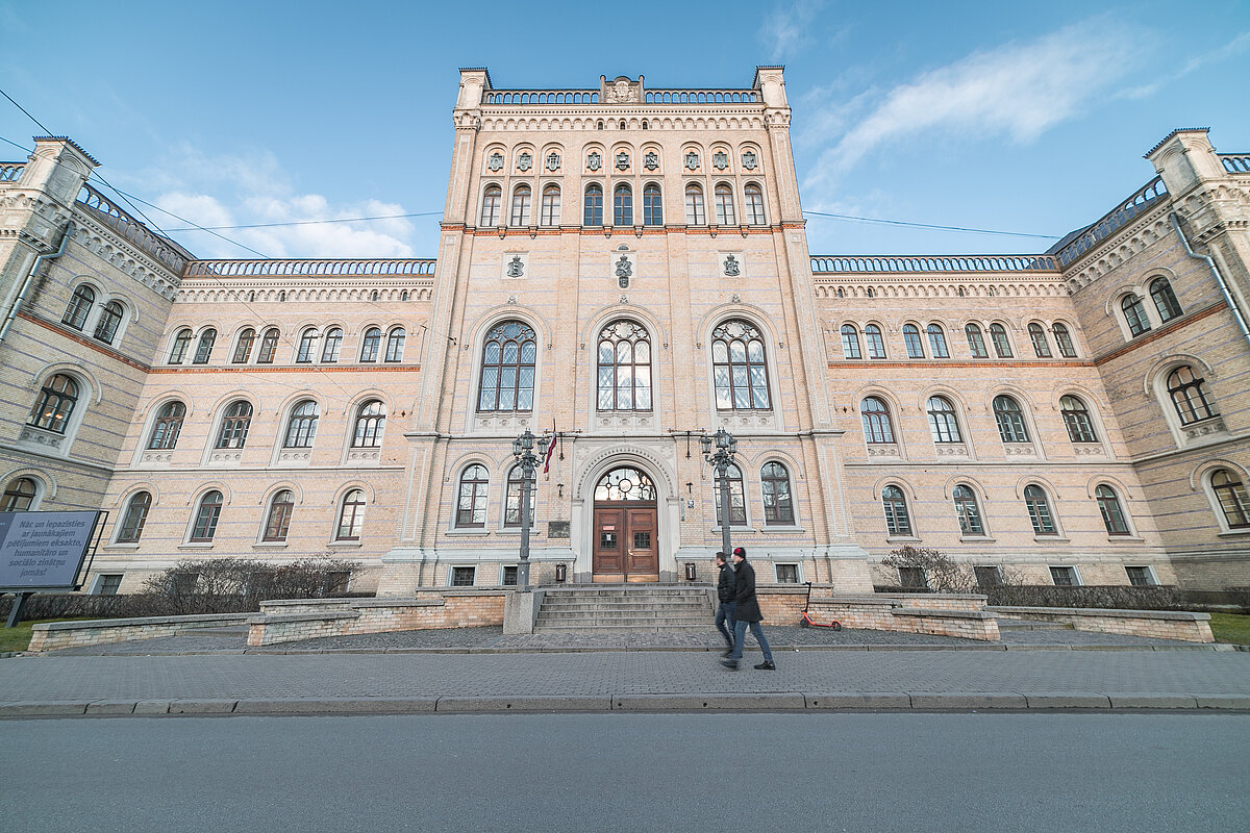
626, 546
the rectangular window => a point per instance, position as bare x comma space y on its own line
338, 583
462, 576
1140, 576
787, 573
107, 585
912, 577
1064, 576
988, 576
509, 576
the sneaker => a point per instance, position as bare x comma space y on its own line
731, 664
766, 665
729, 652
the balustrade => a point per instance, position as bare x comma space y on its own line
104, 210
524, 97
1235, 163
1143, 199
335, 267
11, 171
822, 264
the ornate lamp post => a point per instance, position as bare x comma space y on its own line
523, 450
721, 459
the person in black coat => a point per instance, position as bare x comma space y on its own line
747, 612
725, 610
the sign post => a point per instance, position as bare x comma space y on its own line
44, 551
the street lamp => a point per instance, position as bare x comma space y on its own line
523, 450
721, 459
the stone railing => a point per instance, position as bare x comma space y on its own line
53, 636
1146, 197
542, 97
1236, 163
343, 267
11, 171
659, 96
103, 209
894, 264
1154, 624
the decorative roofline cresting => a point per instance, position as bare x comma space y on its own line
891, 264
330, 267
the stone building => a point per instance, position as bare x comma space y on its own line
625, 269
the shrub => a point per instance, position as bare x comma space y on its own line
941, 574
1117, 596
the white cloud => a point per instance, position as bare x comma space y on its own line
788, 30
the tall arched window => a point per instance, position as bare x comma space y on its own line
1112, 513
333, 344
652, 206
235, 424
178, 351
1041, 347
876, 418
754, 204
1010, 419
168, 426
695, 213
512, 498
351, 516
268, 346
57, 399
135, 518
1234, 501
778, 502
471, 502
308, 345
739, 367
876, 344
395, 345
937, 342
79, 307
1039, 510
623, 206
850, 342
1063, 338
1002, 346
204, 350
551, 206
206, 517
1076, 418
301, 428
1165, 299
943, 424
1135, 314
509, 356
968, 512
491, 199
897, 521
723, 197
370, 344
737, 498
1189, 396
624, 367
110, 320
520, 206
593, 213
243, 347
976, 342
279, 520
370, 419
911, 338
19, 495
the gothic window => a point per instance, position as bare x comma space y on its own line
623, 206
937, 341
135, 518
206, 517
876, 344
1010, 419
351, 516
471, 503
243, 347
268, 346
279, 520
695, 215
897, 521
1112, 513
307, 345
551, 206
754, 204
110, 320
1135, 314
520, 206
1063, 338
943, 424
333, 344
370, 344
624, 367
968, 512
876, 418
778, 502
593, 215
235, 424
168, 426
178, 351
370, 419
56, 403
1076, 418
850, 342
491, 200
301, 428
79, 307
976, 342
395, 345
204, 349
509, 357
1041, 347
911, 337
1039, 511
737, 497
1165, 299
512, 498
1189, 396
998, 334
739, 368
1234, 501
19, 495
652, 206
724, 200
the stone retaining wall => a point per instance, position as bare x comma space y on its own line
951, 614
1155, 624
53, 636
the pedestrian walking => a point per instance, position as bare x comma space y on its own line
725, 610
747, 612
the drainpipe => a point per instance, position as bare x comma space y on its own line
1219, 279
30, 279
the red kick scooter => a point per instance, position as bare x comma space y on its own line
808, 622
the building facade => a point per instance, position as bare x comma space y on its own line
626, 269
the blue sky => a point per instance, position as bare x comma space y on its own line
1029, 118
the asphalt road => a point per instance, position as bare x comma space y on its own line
751, 772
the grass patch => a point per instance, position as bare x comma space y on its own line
18, 638
1231, 627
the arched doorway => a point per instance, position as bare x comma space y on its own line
626, 543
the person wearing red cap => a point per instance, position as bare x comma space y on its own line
747, 612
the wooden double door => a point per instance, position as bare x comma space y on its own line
626, 546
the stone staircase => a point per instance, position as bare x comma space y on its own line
626, 608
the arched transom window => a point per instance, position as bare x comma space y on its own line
471, 502
508, 363
876, 416
739, 367
19, 495
625, 483
56, 403
624, 367
1189, 395
1234, 501
778, 502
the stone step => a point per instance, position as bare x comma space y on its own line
626, 604
605, 616
618, 628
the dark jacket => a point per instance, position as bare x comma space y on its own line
747, 608
725, 584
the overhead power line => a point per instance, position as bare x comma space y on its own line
855, 219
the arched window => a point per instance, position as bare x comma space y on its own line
204, 350
1135, 314
520, 206
937, 342
551, 206
695, 214
395, 345
876, 417
370, 344
739, 367
351, 516
206, 517
1189, 396
1231, 493
491, 199
998, 334
279, 520
652, 206
625, 484
1010, 419
1041, 347
850, 342
56, 403
778, 502
976, 342
268, 346
234, 425
943, 425
1063, 338
1076, 418
623, 206
333, 344
79, 307
509, 356
179, 349
724, 201
897, 521
512, 498
911, 338
593, 208
168, 426
876, 344
968, 511
110, 320
307, 346
1039, 511
1112, 513
19, 495
243, 347
370, 420
135, 518
737, 498
754, 204
1165, 299
624, 367
471, 503
301, 428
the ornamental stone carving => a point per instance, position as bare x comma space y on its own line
553, 161
495, 162
651, 161
732, 268
622, 161
524, 162
620, 91
749, 160
516, 268
692, 160
594, 161
720, 160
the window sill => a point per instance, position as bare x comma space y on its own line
1042, 539
269, 545
893, 538
196, 545
1130, 539
783, 528
977, 539
733, 529
515, 530
1233, 533
133, 547
467, 531
343, 545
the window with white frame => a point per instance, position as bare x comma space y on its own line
520, 206
370, 420
204, 349
1141, 576
243, 346
739, 367
308, 341
1010, 419
897, 519
79, 307
1077, 420
107, 584
491, 199
737, 498
754, 205
471, 500
279, 521
624, 367
55, 406
876, 344
19, 495
168, 426
333, 345
351, 516
850, 342
1112, 512
943, 423
1234, 501
135, 518
1064, 576
967, 511
778, 501
787, 573
395, 344
207, 515
1038, 506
